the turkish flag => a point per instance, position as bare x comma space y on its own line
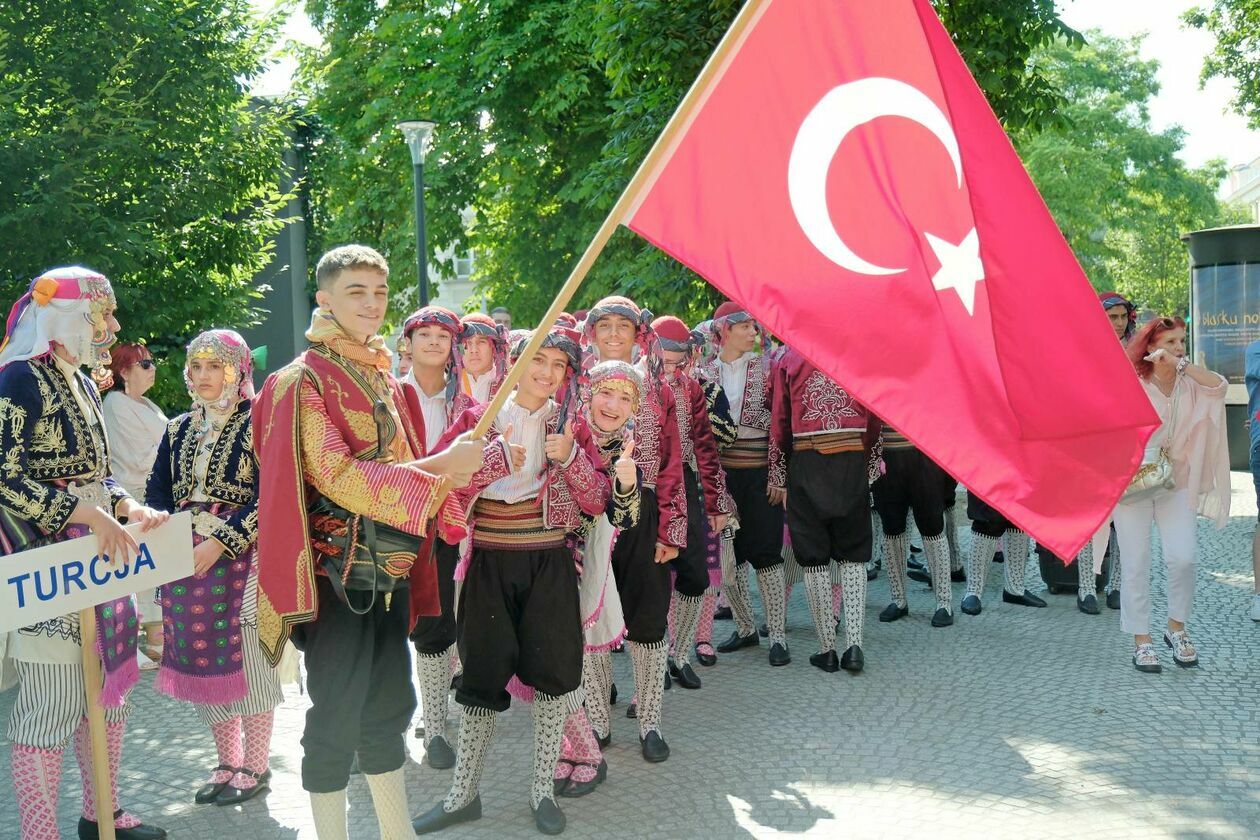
844, 178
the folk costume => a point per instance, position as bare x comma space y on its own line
334, 428
643, 583
912, 481
987, 527
581, 766
702, 469
211, 655
483, 387
434, 636
831, 444
56, 458
519, 607
753, 463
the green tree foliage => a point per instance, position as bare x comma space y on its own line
1236, 25
128, 143
545, 108
1115, 185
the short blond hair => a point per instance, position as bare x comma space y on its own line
347, 256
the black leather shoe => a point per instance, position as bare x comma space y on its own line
779, 654
1026, 600
958, 575
1113, 599
548, 817
210, 791
914, 549
668, 683
999, 557
942, 618
708, 660
419, 732
686, 676
632, 711
736, 642
1088, 604
872, 572
763, 631
971, 605
575, 789
232, 795
612, 695
852, 660
920, 574
89, 830
436, 819
654, 747
826, 661
604, 741
438, 754
892, 612
722, 614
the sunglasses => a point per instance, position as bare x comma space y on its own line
147, 364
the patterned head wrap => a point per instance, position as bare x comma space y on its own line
229, 348
569, 342
649, 348
440, 316
728, 315
65, 306
480, 325
1110, 299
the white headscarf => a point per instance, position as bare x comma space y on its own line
65, 306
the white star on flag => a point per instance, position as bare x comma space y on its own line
961, 268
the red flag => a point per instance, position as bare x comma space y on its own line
844, 178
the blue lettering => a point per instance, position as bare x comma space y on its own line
72, 572
101, 580
52, 580
21, 593
121, 570
144, 558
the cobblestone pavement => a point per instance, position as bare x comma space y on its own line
1015, 723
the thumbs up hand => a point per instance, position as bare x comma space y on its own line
625, 468
560, 447
516, 452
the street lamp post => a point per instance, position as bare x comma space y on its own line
418, 134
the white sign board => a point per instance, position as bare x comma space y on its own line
55, 580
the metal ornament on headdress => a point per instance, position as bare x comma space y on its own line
230, 349
68, 306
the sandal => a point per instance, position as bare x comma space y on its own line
1145, 660
1183, 650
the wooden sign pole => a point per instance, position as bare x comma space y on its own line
92, 682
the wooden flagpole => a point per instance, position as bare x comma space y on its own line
629, 197
92, 682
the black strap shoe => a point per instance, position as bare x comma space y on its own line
549, 818
89, 830
942, 618
1026, 600
971, 605
779, 655
852, 660
654, 747
892, 612
1088, 604
575, 789
825, 661
632, 711
708, 660
210, 791
764, 631
232, 795
722, 614
919, 573
437, 818
736, 642
686, 676
438, 754
1113, 599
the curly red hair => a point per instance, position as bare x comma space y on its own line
122, 357
1139, 346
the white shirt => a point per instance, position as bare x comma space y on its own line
529, 429
734, 383
479, 386
434, 410
135, 428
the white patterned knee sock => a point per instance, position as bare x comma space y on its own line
773, 601
1016, 561
476, 730
854, 576
895, 548
818, 594
978, 559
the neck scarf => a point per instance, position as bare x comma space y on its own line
325, 330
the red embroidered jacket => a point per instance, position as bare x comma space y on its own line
697, 441
658, 453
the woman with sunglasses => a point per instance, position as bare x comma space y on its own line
135, 426
1190, 401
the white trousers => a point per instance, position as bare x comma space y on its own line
1172, 515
